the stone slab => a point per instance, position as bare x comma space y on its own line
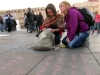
12, 45
3, 50
3, 41
82, 49
15, 43
94, 47
26, 49
94, 39
97, 57
18, 63
63, 63
1, 35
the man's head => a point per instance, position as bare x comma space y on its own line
8, 12
29, 9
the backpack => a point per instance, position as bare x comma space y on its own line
45, 41
89, 17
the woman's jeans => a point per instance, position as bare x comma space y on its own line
96, 25
77, 41
57, 39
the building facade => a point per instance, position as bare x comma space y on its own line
19, 13
93, 5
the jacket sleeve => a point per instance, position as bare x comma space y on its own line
60, 22
73, 23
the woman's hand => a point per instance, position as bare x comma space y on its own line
67, 40
43, 29
55, 30
52, 22
52, 30
46, 24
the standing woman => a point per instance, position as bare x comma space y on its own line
77, 32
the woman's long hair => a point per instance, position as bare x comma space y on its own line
52, 7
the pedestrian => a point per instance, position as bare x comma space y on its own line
30, 19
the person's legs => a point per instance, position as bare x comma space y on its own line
94, 27
98, 27
53, 39
57, 39
64, 41
34, 26
8, 25
78, 40
15, 27
2, 27
28, 27
91, 27
31, 26
37, 26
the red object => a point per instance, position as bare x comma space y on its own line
61, 30
41, 27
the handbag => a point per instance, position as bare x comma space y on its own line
45, 41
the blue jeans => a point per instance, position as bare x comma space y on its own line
77, 41
1, 27
96, 25
30, 25
34, 26
91, 27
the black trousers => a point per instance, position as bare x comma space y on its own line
9, 25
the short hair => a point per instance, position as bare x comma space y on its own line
96, 11
29, 9
7, 11
33, 11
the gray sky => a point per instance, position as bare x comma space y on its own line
18, 4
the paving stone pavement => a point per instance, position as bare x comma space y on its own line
17, 59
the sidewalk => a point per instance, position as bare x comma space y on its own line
17, 59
